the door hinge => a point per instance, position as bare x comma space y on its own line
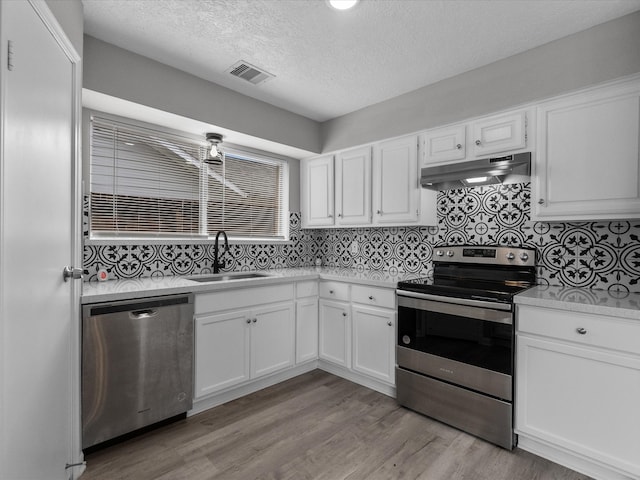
10, 55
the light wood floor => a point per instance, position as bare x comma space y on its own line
315, 426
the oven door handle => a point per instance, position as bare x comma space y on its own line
488, 311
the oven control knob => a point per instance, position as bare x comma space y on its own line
439, 253
524, 256
510, 256
449, 253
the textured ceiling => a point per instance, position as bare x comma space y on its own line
329, 63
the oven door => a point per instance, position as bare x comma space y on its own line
468, 343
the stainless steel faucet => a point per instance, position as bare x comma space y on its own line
217, 264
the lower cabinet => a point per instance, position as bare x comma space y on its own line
578, 390
373, 342
334, 332
242, 344
306, 329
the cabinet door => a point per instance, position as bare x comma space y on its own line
581, 399
373, 342
334, 338
353, 187
272, 339
588, 166
500, 133
306, 329
444, 144
396, 192
317, 194
222, 351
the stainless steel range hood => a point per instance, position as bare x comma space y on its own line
485, 171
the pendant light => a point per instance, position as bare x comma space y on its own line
214, 153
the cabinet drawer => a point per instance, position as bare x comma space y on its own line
380, 297
307, 289
242, 297
334, 290
598, 331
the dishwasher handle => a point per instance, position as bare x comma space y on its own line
146, 313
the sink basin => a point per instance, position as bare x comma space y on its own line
226, 277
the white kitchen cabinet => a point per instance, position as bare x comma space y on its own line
222, 351
334, 332
499, 133
272, 339
253, 335
317, 191
444, 145
588, 165
373, 342
396, 193
353, 187
306, 321
577, 390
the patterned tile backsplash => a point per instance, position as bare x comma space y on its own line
601, 255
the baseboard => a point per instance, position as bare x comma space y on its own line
205, 403
571, 460
355, 377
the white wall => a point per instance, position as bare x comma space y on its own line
601, 53
120, 73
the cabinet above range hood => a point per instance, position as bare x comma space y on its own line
485, 171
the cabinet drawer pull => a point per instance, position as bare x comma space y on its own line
248, 320
255, 320
459, 146
541, 201
331, 292
478, 142
370, 297
581, 331
389, 323
344, 314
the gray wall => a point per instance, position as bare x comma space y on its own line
69, 14
123, 74
601, 53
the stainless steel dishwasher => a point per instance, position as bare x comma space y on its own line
137, 364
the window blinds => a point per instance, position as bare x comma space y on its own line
151, 184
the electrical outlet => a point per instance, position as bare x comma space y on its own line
354, 247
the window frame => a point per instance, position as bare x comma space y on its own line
173, 239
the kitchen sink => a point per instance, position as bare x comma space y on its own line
226, 277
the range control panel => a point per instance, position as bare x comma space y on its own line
486, 255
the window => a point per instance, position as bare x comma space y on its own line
150, 184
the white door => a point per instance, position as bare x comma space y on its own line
316, 191
396, 191
444, 144
306, 329
500, 133
373, 342
222, 351
39, 376
272, 339
353, 187
333, 340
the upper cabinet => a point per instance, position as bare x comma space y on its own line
445, 144
587, 155
316, 191
374, 185
499, 133
504, 133
396, 193
353, 187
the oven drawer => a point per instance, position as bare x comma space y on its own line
375, 296
597, 331
334, 290
477, 414
487, 381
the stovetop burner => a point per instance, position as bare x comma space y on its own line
493, 274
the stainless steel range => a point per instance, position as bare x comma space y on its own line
455, 346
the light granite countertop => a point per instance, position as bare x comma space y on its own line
113, 290
599, 302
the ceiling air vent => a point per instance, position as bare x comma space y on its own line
250, 73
